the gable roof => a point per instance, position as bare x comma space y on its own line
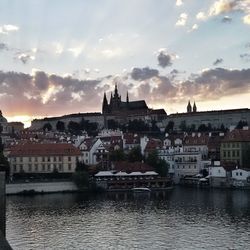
46, 149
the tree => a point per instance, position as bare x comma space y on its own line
60, 126
154, 127
160, 165
183, 126
117, 155
170, 127
241, 124
135, 155
112, 124
81, 176
74, 128
4, 164
202, 128
47, 127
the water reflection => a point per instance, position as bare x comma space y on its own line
175, 219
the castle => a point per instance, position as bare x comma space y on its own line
123, 111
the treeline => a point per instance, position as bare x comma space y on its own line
74, 128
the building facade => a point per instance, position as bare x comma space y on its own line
43, 158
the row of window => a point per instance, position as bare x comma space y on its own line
42, 167
43, 159
186, 167
230, 145
233, 153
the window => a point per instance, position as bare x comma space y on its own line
233, 153
183, 166
43, 159
21, 159
60, 167
54, 158
21, 168
14, 168
237, 153
30, 168
69, 166
48, 158
30, 159
224, 154
35, 159
237, 173
69, 158
14, 159
228, 153
43, 167
36, 167
60, 158
240, 173
48, 167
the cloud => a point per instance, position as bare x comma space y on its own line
164, 58
7, 28
143, 73
25, 57
218, 61
222, 6
245, 57
42, 94
4, 46
182, 20
226, 19
227, 6
76, 51
246, 19
179, 2
201, 16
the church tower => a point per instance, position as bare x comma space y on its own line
105, 105
194, 108
189, 107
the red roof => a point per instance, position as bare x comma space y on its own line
237, 135
48, 149
200, 139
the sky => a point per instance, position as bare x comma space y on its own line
59, 57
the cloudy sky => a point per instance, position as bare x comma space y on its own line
59, 57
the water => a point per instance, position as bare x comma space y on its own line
178, 219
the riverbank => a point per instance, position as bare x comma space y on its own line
41, 187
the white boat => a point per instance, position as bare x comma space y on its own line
141, 190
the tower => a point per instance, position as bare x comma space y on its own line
189, 107
127, 98
104, 104
194, 108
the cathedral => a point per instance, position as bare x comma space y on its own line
123, 111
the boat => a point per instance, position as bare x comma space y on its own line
141, 190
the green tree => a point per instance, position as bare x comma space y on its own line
47, 127
160, 165
170, 127
74, 128
4, 164
60, 126
81, 176
117, 155
135, 155
183, 126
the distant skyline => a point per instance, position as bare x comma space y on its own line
59, 57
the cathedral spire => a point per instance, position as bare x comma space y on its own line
189, 107
194, 108
127, 98
104, 103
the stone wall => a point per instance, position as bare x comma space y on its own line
41, 187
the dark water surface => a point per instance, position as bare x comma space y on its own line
177, 219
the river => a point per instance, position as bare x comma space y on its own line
182, 218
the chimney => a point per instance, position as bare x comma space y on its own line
193, 134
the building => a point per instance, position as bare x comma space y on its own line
124, 111
235, 147
37, 124
216, 118
30, 158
